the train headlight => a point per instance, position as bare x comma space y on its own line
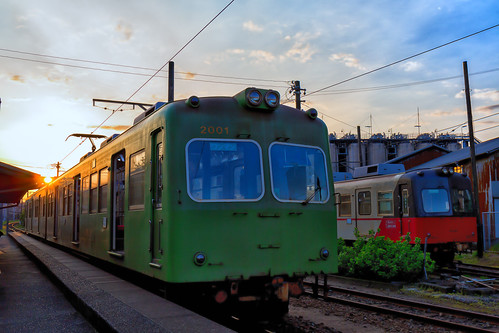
200, 258
324, 253
272, 99
254, 97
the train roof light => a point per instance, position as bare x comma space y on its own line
254, 97
259, 99
312, 113
193, 101
272, 98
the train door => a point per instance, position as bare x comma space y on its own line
118, 203
363, 212
403, 206
76, 212
156, 221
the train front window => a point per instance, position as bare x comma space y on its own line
224, 170
435, 200
298, 173
461, 201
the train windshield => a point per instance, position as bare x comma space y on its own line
435, 200
461, 201
224, 170
298, 173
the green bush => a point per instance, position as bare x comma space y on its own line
382, 259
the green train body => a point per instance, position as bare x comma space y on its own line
187, 195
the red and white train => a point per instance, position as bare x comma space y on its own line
432, 204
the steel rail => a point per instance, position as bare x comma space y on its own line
410, 304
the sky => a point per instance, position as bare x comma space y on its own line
57, 56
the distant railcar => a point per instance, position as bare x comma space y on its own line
432, 204
231, 196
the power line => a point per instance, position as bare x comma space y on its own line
464, 123
400, 85
120, 65
158, 76
156, 73
484, 129
402, 60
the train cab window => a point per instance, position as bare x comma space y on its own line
224, 170
94, 179
364, 199
85, 194
461, 201
385, 203
137, 180
435, 200
298, 173
345, 205
103, 180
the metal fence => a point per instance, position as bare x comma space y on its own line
490, 221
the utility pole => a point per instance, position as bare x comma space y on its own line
58, 166
359, 142
296, 89
479, 226
170, 81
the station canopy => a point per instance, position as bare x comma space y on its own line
15, 182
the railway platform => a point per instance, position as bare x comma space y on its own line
108, 302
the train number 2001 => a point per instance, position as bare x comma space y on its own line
214, 130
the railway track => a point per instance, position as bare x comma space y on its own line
437, 315
477, 270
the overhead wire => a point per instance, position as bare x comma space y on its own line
156, 73
402, 60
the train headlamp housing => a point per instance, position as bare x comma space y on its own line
259, 99
447, 171
200, 258
324, 253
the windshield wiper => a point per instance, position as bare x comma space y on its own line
311, 196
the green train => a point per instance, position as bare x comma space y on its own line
228, 196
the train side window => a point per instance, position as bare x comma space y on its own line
364, 199
37, 207
385, 203
94, 178
70, 199
345, 205
137, 180
85, 194
405, 202
64, 200
103, 180
44, 207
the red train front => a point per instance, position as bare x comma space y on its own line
432, 204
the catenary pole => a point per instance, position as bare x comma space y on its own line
479, 226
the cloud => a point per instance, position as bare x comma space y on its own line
347, 59
488, 108
250, 26
481, 94
125, 29
412, 66
17, 78
262, 56
301, 52
190, 76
